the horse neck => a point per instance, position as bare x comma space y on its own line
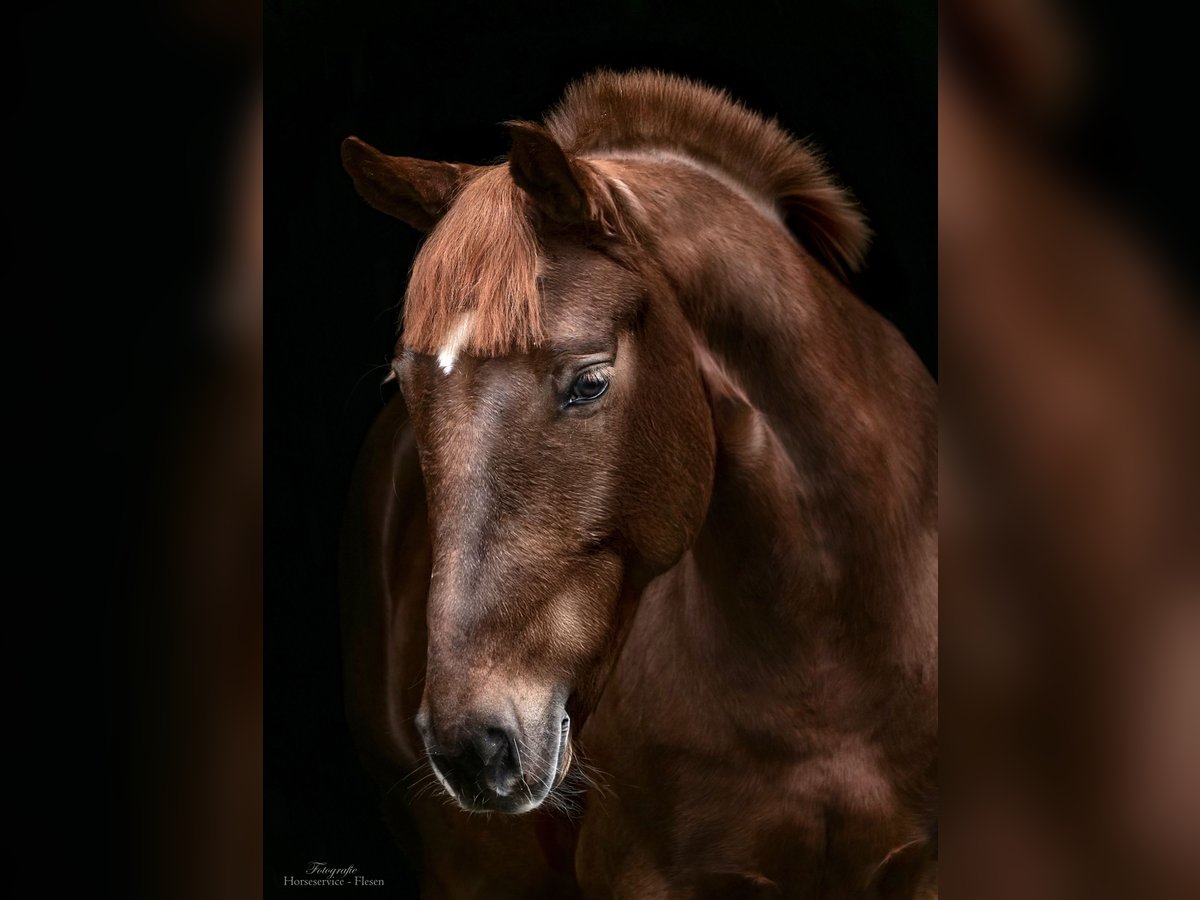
841, 465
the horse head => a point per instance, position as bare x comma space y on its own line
565, 439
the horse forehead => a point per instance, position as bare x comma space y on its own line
447, 354
577, 282
577, 317
460, 403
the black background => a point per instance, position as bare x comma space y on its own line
415, 80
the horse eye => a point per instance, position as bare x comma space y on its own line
589, 386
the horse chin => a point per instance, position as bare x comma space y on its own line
516, 805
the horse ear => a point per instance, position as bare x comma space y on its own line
542, 169
416, 191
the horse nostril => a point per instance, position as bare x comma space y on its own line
494, 746
479, 761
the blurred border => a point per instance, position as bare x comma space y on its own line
1068, 278
1070, 585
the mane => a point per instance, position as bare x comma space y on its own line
474, 284
647, 111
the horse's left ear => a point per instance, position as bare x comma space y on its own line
416, 191
542, 169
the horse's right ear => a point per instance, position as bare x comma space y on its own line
416, 191
543, 170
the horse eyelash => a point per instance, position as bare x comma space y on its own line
600, 373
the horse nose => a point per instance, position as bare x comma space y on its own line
493, 747
482, 764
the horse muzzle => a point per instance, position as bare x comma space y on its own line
486, 763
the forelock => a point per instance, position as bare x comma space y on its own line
483, 259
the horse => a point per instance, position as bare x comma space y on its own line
654, 507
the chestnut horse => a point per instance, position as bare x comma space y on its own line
659, 492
